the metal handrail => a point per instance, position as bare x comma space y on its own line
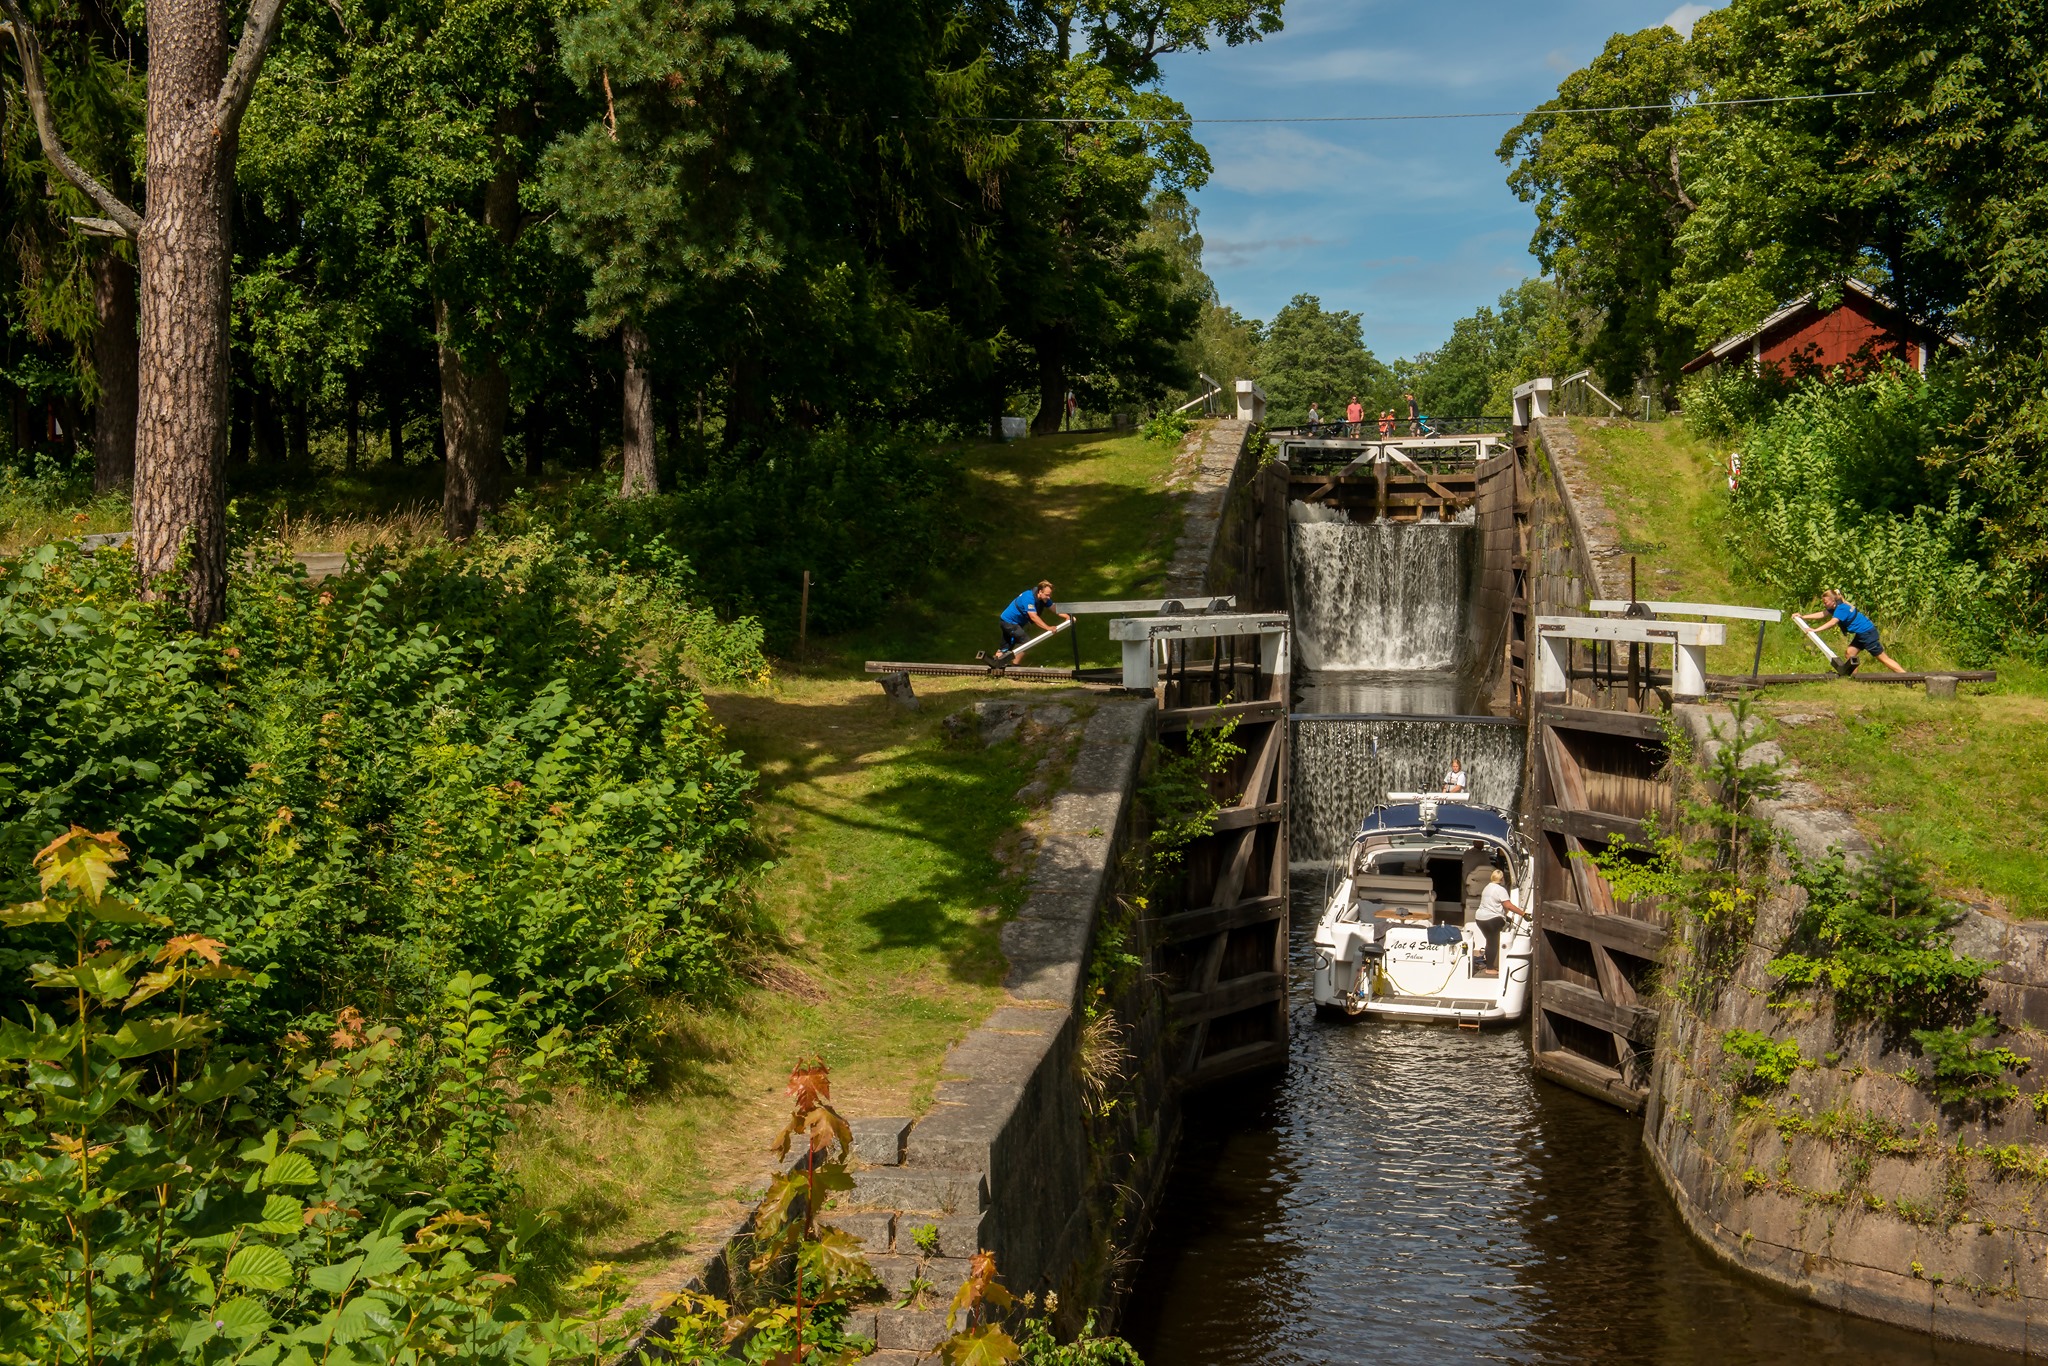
1425, 425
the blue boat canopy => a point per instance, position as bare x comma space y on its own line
1480, 820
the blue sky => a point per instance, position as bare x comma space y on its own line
1410, 224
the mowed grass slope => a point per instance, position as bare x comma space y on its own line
1963, 785
1092, 513
889, 884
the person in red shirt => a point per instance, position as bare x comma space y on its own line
1354, 417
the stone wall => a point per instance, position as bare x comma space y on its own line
1566, 559
1850, 1185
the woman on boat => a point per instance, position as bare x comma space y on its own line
1493, 910
1454, 781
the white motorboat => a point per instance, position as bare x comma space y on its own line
1400, 937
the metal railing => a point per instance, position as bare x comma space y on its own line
1371, 428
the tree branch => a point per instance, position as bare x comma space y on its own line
117, 213
1677, 185
240, 83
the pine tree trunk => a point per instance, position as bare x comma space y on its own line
298, 449
394, 426
636, 426
474, 398
113, 358
182, 359
1052, 384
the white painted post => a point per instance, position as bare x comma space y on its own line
1532, 399
1550, 675
1688, 671
1140, 673
1251, 402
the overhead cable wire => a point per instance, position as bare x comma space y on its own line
1396, 118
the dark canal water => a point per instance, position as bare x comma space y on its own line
1411, 1194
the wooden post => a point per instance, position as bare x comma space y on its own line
1383, 462
803, 615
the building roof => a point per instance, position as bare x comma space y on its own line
1734, 345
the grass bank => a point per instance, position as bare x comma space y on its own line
889, 883
1963, 785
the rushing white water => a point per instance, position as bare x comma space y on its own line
1344, 768
1377, 595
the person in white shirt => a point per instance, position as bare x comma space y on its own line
1494, 906
1454, 781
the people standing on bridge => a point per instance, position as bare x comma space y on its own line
1315, 418
1354, 418
1494, 906
1386, 423
1414, 429
1839, 612
1455, 780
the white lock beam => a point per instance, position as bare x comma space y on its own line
1688, 641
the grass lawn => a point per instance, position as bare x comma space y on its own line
1091, 513
888, 886
1964, 784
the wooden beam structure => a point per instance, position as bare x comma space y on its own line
1216, 934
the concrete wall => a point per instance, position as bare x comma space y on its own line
1850, 1185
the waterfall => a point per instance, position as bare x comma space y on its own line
1378, 595
1342, 769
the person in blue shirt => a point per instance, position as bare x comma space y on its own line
1840, 613
1030, 610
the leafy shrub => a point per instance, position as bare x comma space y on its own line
1877, 939
868, 515
1841, 487
1724, 401
1771, 1063
165, 1203
1167, 428
1713, 868
1181, 791
1962, 1072
370, 786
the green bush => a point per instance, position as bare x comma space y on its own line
1168, 428
370, 786
1723, 402
1842, 487
869, 516
1877, 939
1962, 1072
1771, 1063
171, 1200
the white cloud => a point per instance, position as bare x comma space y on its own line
1237, 253
1338, 179
1378, 65
1684, 17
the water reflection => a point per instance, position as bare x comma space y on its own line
1410, 1194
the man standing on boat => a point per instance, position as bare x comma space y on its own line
1493, 910
1030, 609
1860, 629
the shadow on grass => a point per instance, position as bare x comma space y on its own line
1093, 539
903, 826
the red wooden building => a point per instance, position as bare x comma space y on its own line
1804, 337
